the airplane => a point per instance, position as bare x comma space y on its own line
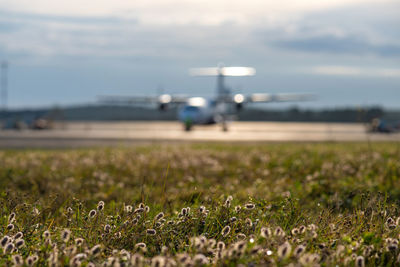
202, 111
381, 126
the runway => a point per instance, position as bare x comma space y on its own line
87, 134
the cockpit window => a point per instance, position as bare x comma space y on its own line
191, 108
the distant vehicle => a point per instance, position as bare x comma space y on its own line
42, 124
202, 111
381, 126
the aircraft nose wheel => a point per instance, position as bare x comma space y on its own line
188, 125
224, 127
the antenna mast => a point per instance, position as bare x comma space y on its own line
4, 83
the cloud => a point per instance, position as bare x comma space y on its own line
339, 45
354, 71
350, 30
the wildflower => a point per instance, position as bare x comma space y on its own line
10, 227
368, 250
184, 212
233, 219
65, 235
136, 259
5, 240
302, 229
11, 217
107, 228
118, 235
312, 227
240, 246
19, 243
46, 234
241, 236
284, 250
237, 208
225, 231
164, 250
203, 240
202, 209
255, 250
159, 216
158, 261
140, 245
151, 231
299, 250
314, 234
141, 206
249, 206
248, 222
8, 248
183, 258
266, 232
17, 260
92, 213
31, 260
390, 221
147, 209
128, 208
95, 251
295, 231
279, 232
138, 210
69, 210
309, 259
200, 259
18, 235
360, 261
392, 246
100, 205
221, 245
70, 251
211, 243
228, 201
79, 241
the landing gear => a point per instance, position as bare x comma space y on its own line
224, 126
188, 125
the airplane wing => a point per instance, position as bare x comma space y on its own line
129, 100
269, 98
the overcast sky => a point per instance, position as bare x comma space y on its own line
68, 52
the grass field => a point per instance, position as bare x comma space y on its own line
202, 204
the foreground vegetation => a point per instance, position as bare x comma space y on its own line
194, 205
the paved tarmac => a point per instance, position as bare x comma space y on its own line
86, 134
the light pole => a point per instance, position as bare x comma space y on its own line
4, 81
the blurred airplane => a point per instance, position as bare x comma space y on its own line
381, 126
203, 111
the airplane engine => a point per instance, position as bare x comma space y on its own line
239, 99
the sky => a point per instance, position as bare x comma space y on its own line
347, 52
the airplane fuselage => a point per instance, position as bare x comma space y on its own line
198, 110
